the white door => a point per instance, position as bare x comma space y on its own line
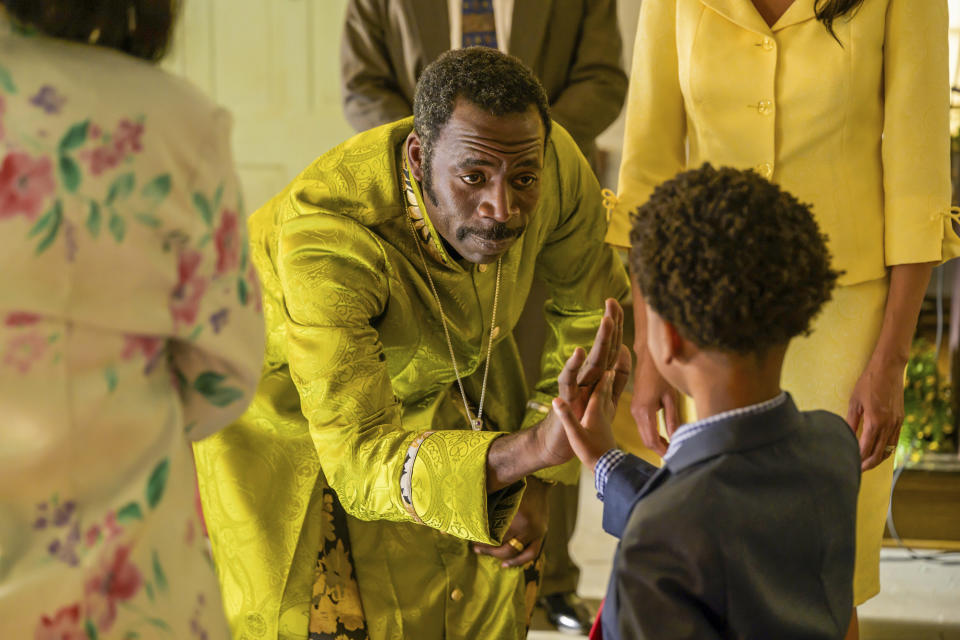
275, 65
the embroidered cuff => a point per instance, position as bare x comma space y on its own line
448, 485
406, 476
605, 465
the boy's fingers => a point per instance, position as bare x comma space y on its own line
567, 380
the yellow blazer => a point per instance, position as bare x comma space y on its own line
859, 128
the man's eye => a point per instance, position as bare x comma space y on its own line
525, 181
472, 178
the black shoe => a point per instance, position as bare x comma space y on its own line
567, 612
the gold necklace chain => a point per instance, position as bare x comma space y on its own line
475, 423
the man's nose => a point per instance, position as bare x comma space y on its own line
500, 203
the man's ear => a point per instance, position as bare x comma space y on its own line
415, 156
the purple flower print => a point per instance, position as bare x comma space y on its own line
61, 515
48, 99
219, 319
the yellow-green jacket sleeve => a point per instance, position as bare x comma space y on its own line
655, 134
916, 144
580, 271
332, 273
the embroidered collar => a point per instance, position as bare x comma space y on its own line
422, 224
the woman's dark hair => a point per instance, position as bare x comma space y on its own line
140, 28
829, 10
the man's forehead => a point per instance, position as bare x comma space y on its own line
472, 131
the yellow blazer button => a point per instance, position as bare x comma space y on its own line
765, 107
456, 595
765, 170
768, 44
482, 268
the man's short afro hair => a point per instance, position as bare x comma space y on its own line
732, 261
496, 82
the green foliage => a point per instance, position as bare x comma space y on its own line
928, 407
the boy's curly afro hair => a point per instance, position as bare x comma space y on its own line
732, 261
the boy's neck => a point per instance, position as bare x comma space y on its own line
720, 382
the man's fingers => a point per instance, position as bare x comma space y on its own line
597, 358
503, 552
622, 369
565, 413
616, 313
528, 554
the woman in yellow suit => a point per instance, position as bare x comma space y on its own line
845, 103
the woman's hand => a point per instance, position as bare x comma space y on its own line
877, 401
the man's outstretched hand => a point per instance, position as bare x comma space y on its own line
517, 455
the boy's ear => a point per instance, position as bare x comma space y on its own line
676, 345
415, 156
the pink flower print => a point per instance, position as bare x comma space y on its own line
149, 346
21, 319
23, 350
185, 300
126, 139
92, 536
64, 625
113, 529
227, 240
118, 580
48, 99
94, 131
25, 184
101, 159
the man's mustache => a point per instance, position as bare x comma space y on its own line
497, 231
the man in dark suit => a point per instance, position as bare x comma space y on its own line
574, 49
572, 46
747, 531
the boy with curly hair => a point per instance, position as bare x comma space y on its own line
747, 531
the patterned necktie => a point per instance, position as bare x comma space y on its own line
478, 26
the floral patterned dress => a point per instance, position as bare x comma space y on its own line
130, 324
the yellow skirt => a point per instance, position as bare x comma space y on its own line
820, 372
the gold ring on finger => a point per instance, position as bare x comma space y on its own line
516, 544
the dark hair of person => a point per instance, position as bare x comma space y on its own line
732, 261
140, 28
829, 10
493, 81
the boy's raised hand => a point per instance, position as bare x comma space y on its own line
592, 436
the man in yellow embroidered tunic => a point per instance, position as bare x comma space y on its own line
360, 402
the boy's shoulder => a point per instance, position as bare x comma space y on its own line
821, 454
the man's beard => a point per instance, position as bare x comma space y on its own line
497, 231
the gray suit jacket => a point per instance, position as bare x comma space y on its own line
572, 46
747, 532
